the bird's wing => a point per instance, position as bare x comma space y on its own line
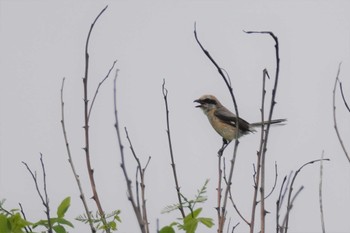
228, 117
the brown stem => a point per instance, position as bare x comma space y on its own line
95, 196
70, 160
165, 95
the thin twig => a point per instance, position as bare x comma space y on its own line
98, 87
335, 118
290, 200
141, 171
27, 228
45, 201
265, 138
142, 224
343, 96
87, 110
274, 185
165, 96
320, 194
70, 160
231, 198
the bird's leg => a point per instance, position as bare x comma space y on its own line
224, 145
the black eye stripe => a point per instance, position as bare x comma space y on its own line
209, 101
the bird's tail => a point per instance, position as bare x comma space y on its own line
276, 121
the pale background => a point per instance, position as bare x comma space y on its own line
42, 42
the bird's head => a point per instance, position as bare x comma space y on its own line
207, 103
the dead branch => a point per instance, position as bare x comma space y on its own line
264, 138
70, 160
335, 118
179, 197
142, 224
44, 200
98, 87
87, 111
141, 171
320, 194
222, 215
343, 96
291, 197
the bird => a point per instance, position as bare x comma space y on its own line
224, 121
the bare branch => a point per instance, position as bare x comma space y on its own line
320, 194
141, 171
265, 132
343, 96
165, 96
335, 118
222, 215
231, 198
290, 200
142, 224
98, 87
44, 200
87, 110
70, 160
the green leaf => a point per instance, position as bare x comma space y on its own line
17, 223
59, 229
61, 221
63, 207
167, 229
41, 223
4, 224
208, 222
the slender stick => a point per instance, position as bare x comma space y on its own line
291, 199
165, 95
70, 160
320, 194
335, 118
87, 109
135, 207
343, 96
265, 139
45, 201
140, 171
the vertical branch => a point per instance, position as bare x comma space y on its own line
95, 196
142, 210
260, 163
335, 118
266, 132
45, 201
142, 225
320, 194
222, 215
70, 160
219, 188
165, 95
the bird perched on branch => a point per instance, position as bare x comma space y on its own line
225, 122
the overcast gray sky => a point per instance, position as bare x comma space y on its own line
42, 42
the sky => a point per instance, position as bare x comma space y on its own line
43, 42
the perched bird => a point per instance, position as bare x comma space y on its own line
224, 122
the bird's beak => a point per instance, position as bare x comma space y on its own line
198, 101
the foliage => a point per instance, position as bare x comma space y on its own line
190, 223
59, 222
98, 221
11, 221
